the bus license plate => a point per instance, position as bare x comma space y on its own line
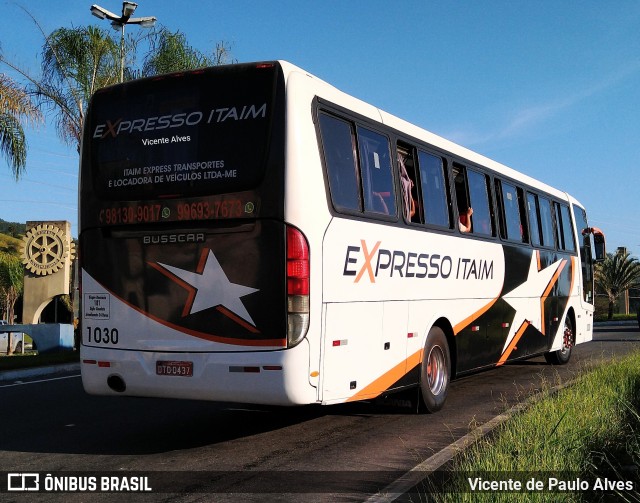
175, 368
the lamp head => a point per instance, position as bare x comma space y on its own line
128, 8
102, 13
98, 12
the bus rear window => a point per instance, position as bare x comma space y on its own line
203, 132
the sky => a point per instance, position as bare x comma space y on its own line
549, 88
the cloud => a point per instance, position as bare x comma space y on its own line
523, 120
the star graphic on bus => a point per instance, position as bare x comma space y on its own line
210, 287
538, 285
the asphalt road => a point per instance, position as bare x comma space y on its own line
200, 451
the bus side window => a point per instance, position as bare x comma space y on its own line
472, 192
435, 190
462, 196
480, 199
546, 222
377, 176
409, 181
513, 224
338, 143
566, 229
534, 219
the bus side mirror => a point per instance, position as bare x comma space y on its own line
601, 253
600, 245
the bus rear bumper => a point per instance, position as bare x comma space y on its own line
270, 377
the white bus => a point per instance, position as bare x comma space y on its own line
249, 233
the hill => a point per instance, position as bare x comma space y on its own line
10, 244
12, 228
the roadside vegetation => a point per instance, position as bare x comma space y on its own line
581, 443
618, 273
616, 317
9, 244
30, 359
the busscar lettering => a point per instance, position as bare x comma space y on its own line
190, 237
375, 262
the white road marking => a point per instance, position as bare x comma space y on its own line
21, 383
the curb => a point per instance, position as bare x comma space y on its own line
12, 375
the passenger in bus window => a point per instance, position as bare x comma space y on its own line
465, 220
412, 208
407, 186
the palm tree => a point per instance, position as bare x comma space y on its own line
170, 52
78, 61
616, 274
15, 109
75, 63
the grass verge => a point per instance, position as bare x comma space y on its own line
579, 444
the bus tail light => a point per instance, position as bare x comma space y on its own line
297, 286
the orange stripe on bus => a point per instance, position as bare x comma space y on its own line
385, 381
573, 274
546, 293
467, 321
554, 279
280, 342
514, 343
237, 319
190, 288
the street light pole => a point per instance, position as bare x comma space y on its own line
119, 22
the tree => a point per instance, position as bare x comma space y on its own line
75, 63
78, 61
170, 52
15, 108
11, 286
615, 275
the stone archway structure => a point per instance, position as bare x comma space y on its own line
47, 254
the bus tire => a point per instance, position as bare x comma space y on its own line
563, 355
435, 371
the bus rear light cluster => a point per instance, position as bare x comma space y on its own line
102, 364
297, 286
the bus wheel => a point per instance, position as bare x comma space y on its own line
562, 355
435, 371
